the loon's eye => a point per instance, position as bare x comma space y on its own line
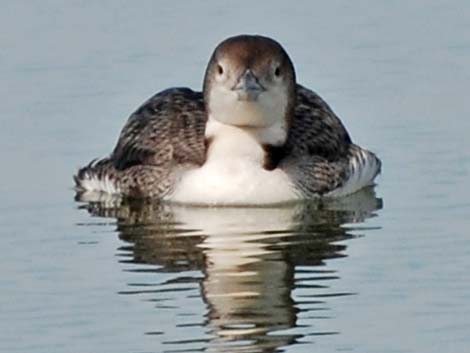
277, 72
220, 69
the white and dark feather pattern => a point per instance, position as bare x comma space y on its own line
315, 175
319, 156
315, 129
98, 176
163, 135
361, 169
175, 117
167, 134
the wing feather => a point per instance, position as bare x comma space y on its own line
317, 146
169, 129
315, 129
320, 156
175, 117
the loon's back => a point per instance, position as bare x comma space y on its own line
164, 142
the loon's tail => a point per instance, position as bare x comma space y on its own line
98, 176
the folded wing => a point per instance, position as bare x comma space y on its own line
164, 135
169, 127
320, 157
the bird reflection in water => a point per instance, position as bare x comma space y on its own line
252, 260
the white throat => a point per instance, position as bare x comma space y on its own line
228, 142
245, 144
233, 173
274, 134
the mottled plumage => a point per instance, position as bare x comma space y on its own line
166, 133
167, 136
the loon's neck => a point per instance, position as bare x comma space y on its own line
229, 141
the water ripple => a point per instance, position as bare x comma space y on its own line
260, 272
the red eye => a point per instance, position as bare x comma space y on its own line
277, 72
220, 69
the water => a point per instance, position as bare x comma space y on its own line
383, 271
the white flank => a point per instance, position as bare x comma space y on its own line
364, 167
91, 182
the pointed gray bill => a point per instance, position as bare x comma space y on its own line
248, 87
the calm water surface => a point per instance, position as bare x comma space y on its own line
386, 270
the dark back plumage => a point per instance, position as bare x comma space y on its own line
169, 127
173, 122
167, 133
315, 129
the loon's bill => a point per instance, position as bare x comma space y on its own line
253, 136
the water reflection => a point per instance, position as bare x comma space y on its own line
252, 260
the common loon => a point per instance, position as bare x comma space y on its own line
253, 136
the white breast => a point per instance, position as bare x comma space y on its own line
233, 173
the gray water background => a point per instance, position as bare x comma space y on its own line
390, 279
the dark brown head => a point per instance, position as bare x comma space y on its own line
250, 81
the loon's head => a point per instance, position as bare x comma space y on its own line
250, 83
